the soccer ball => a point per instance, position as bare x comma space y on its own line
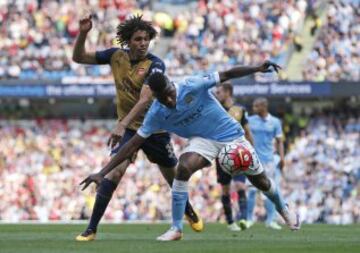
235, 158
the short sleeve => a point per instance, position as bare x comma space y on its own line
204, 82
150, 124
278, 129
104, 57
156, 66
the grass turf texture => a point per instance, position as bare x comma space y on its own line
216, 238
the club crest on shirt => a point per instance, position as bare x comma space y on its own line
206, 76
188, 99
141, 71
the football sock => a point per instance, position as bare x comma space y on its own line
103, 196
275, 196
179, 198
251, 199
270, 211
225, 199
242, 204
189, 210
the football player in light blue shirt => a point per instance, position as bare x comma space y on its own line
265, 129
190, 110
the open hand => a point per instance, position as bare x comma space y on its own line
269, 66
93, 178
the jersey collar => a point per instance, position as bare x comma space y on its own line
267, 118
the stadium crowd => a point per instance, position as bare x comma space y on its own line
221, 33
37, 36
43, 161
336, 53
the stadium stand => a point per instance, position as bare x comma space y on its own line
37, 44
336, 53
37, 36
221, 33
46, 159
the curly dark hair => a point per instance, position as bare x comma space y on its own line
126, 30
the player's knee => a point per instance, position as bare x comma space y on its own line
260, 181
151, 159
264, 184
183, 172
226, 189
240, 186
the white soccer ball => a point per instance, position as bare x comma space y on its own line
235, 158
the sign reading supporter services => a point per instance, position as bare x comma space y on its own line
283, 89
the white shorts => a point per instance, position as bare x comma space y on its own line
210, 149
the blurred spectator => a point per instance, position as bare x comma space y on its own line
43, 161
218, 34
336, 53
37, 36
323, 170
36, 39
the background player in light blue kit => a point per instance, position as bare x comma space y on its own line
224, 93
190, 110
265, 129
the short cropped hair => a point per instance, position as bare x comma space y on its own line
157, 82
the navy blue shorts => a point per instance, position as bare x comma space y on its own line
224, 179
157, 148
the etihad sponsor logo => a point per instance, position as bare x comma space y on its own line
191, 118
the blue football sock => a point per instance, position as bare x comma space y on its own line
270, 211
103, 196
251, 203
275, 196
179, 199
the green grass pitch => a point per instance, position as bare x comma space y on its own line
140, 238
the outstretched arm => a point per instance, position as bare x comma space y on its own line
125, 152
240, 71
80, 55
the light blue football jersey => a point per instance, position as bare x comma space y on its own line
197, 114
264, 131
